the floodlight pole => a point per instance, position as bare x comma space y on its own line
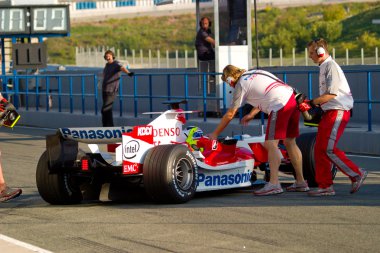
257, 36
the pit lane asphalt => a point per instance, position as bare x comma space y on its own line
228, 221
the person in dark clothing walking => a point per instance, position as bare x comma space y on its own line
110, 86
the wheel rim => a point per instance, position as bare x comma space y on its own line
68, 182
184, 174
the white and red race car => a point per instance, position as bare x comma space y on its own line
170, 162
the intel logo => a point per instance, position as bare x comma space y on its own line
130, 149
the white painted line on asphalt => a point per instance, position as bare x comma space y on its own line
23, 244
364, 156
39, 128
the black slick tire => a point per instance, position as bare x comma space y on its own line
170, 174
56, 188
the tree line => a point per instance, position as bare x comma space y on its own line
344, 26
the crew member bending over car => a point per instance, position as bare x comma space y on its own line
265, 92
336, 101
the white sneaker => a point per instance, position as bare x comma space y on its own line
317, 192
359, 181
303, 187
269, 189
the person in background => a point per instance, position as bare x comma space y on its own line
265, 92
336, 101
110, 86
204, 43
6, 193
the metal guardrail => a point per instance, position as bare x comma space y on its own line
41, 84
70, 88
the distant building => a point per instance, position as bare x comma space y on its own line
27, 2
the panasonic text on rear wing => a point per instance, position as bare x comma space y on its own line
95, 135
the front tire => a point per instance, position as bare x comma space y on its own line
58, 188
170, 174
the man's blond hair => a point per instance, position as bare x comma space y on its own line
232, 71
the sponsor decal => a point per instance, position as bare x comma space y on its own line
130, 149
144, 131
166, 132
148, 133
214, 145
93, 133
221, 180
131, 168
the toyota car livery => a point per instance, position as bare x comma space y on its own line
165, 159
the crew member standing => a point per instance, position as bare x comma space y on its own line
336, 101
110, 86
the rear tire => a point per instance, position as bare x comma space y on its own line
58, 188
170, 174
306, 143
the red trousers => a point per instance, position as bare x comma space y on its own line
330, 130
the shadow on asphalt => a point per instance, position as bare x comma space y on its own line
367, 196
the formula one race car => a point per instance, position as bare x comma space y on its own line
170, 162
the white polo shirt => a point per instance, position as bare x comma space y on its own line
262, 90
333, 81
